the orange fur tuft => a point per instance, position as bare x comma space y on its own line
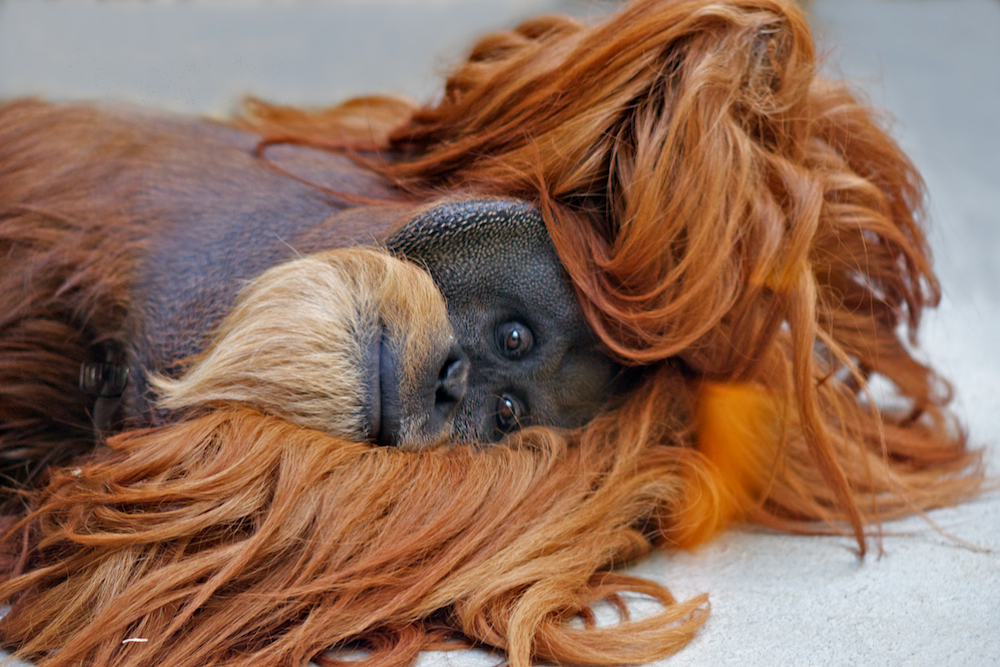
739, 435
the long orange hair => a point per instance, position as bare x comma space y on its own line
720, 206
242, 539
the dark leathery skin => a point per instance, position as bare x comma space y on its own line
494, 263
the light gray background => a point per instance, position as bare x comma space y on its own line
933, 64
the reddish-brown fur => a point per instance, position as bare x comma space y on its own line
727, 217
240, 538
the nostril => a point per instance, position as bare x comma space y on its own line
453, 378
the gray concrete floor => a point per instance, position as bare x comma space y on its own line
934, 65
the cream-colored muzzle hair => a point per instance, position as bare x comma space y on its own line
298, 344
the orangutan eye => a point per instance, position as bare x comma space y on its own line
510, 414
514, 339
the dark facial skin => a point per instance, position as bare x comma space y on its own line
533, 359
527, 355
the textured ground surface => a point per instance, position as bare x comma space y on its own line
933, 64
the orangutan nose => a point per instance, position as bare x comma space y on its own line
416, 408
452, 382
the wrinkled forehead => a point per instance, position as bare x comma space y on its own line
495, 252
